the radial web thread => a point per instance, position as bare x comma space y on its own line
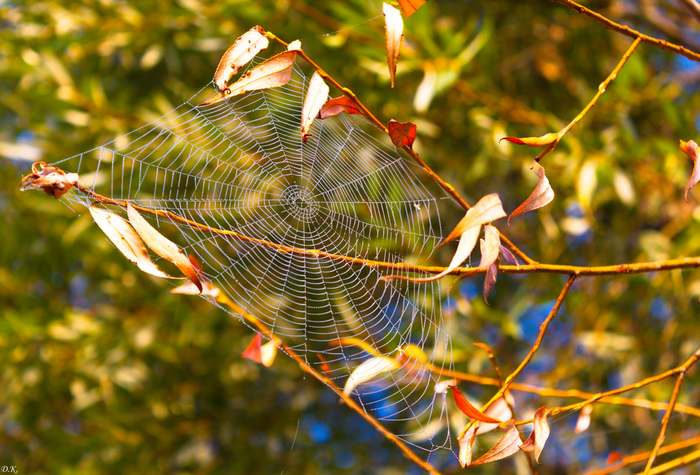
241, 165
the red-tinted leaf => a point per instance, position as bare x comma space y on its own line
409, 7
507, 446
490, 280
256, 351
274, 72
584, 419
402, 133
542, 195
336, 106
466, 442
394, 32
470, 411
487, 209
54, 181
691, 149
540, 432
546, 139
614, 457
243, 50
324, 365
316, 96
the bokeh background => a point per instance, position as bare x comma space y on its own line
102, 370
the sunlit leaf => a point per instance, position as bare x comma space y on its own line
507, 446
274, 72
367, 371
466, 442
54, 181
441, 387
546, 139
402, 134
584, 419
162, 246
239, 54
691, 149
126, 240
542, 195
394, 32
409, 7
490, 248
336, 106
540, 432
294, 46
470, 411
499, 410
256, 351
316, 96
487, 209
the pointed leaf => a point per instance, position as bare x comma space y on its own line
691, 149
540, 432
243, 50
125, 238
274, 72
336, 106
409, 7
316, 96
470, 411
466, 442
507, 446
191, 289
294, 46
162, 246
487, 209
490, 280
402, 133
508, 256
546, 139
499, 410
256, 351
542, 195
54, 181
394, 32
367, 371
584, 419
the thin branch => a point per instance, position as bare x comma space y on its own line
627, 31
692, 7
679, 462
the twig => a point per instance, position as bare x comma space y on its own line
627, 31
692, 7
679, 462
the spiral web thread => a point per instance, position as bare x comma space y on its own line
241, 165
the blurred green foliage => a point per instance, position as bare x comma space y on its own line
104, 371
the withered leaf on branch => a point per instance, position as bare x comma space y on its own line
126, 240
239, 54
190, 289
490, 248
336, 106
540, 432
487, 209
402, 134
542, 195
162, 246
409, 7
508, 256
466, 442
256, 351
691, 149
54, 181
546, 139
394, 32
367, 371
316, 96
470, 411
274, 72
507, 446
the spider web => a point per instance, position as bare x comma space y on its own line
240, 165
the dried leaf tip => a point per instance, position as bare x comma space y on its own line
316, 96
540, 432
394, 32
546, 139
54, 181
239, 54
465, 406
542, 195
691, 149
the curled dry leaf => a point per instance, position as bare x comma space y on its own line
507, 446
256, 351
125, 238
542, 195
487, 209
274, 72
540, 432
54, 181
584, 419
162, 246
316, 96
243, 50
499, 410
470, 411
394, 32
336, 106
490, 248
402, 134
409, 7
466, 442
546, 139
691, 149
367, 371
508, 256
294, 46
